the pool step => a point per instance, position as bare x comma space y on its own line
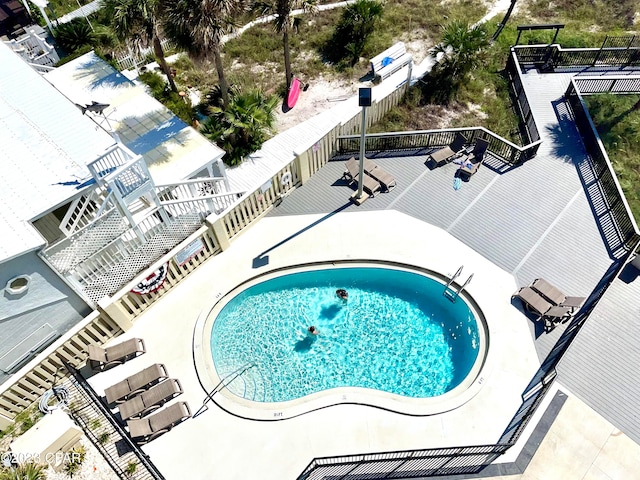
254, 385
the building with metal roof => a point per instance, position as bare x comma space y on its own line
121, 183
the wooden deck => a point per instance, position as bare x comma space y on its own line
540, 219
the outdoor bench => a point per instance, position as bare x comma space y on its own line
390, 61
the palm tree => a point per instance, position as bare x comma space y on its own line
285, 23
140, 20
459, 50
243, 126
357, 24
199, 25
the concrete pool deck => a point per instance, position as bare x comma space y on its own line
218, 444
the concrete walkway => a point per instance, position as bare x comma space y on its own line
579, 445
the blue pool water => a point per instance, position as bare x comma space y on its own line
396, 333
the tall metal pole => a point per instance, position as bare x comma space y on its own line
363, 128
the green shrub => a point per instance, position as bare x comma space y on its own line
160, 90
131, 467
76, 459
26, 471
103, 438
353, 31
155, 82
74, 35
244, 126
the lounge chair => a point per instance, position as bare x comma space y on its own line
352, 174
447, 153
380, 174
533, 301
470, 164
150, 400
546, 311
136, 383
385, 178
102, 358
146, 429
555, 295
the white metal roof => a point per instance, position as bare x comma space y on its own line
45, 144
172, 149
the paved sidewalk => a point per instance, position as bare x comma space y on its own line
83, 11
582, 445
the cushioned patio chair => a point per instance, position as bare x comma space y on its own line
102, 358
533, 301
546, 311
470, 164
555, 295
150, 400
381, 175
145, 429
136, 383
447, 153
352, 174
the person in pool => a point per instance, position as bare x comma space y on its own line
313, 330
342, 293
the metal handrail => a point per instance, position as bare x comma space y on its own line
453, 277
467, 281
223, 384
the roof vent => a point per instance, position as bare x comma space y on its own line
18, 285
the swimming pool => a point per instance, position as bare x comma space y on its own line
396, 334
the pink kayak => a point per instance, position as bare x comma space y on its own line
294, 93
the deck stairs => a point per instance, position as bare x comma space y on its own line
125, 222
203, 196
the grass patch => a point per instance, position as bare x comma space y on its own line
618, 125
596, 15
257, 55
62, 7
482, 101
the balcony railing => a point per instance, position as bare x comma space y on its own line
430, 139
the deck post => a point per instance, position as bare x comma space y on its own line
5, 422
115, 312
219, 232
302, 165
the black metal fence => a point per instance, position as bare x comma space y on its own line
620, 84
429, 139
624, 224
119, 450
404, 464
554, 56
521, 102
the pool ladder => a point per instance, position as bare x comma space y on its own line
449, 291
